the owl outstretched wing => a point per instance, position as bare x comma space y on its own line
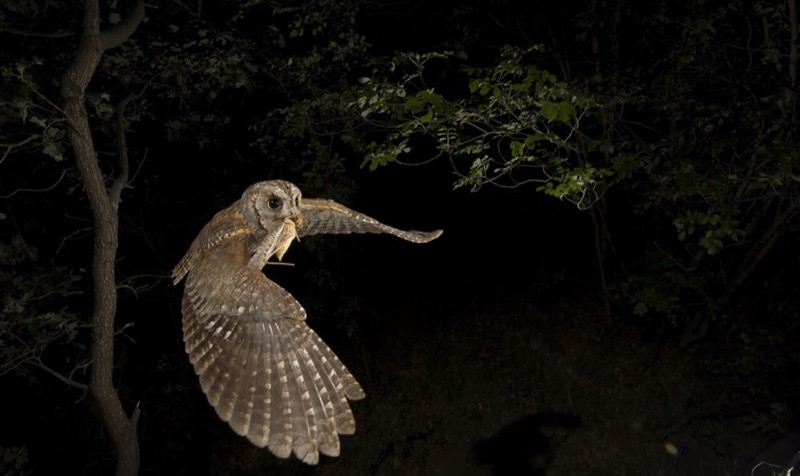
326, 216
262, 368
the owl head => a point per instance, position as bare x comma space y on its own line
265, 205
272, 211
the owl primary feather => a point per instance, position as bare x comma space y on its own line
262, 368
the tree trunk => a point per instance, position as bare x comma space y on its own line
93, 43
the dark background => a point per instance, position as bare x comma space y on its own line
487, 351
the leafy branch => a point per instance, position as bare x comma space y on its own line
518, 124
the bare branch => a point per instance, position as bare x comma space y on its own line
59, 376
135, 414
34, 33
74, 234
37, 190
793, 42
121, 180
42, 96
18, 359
139, 168
188, 9
131, 282
11, 147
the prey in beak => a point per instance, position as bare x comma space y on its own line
288, 234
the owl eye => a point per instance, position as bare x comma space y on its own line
273, 203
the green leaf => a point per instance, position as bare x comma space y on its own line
517, 148
428, 116
413, 104
54, 150
550, 111
565, 112
474, 85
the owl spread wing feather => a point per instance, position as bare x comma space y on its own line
327, 216
261, 367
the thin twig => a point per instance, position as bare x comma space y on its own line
58, 375
673, 259
11, 147
44, 98
139, 167
34, 33
279, 263
37, 190
70, 236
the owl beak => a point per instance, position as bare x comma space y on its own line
288, 235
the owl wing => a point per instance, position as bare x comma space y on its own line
262, 368
327, 216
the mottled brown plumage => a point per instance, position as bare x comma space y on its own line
261, 367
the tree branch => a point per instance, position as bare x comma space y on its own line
10, 147
188, 9
74, 83
120, 33
34, 33
765, 244
121, 180
793, 43
58, 375
36, 190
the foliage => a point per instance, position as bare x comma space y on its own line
33, 322
697, 143
259, 74
14, 461
715, 160
308, 132
516, 125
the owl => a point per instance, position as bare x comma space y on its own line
262, 368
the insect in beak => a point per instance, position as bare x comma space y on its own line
288, 234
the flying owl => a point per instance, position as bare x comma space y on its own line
261, 367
